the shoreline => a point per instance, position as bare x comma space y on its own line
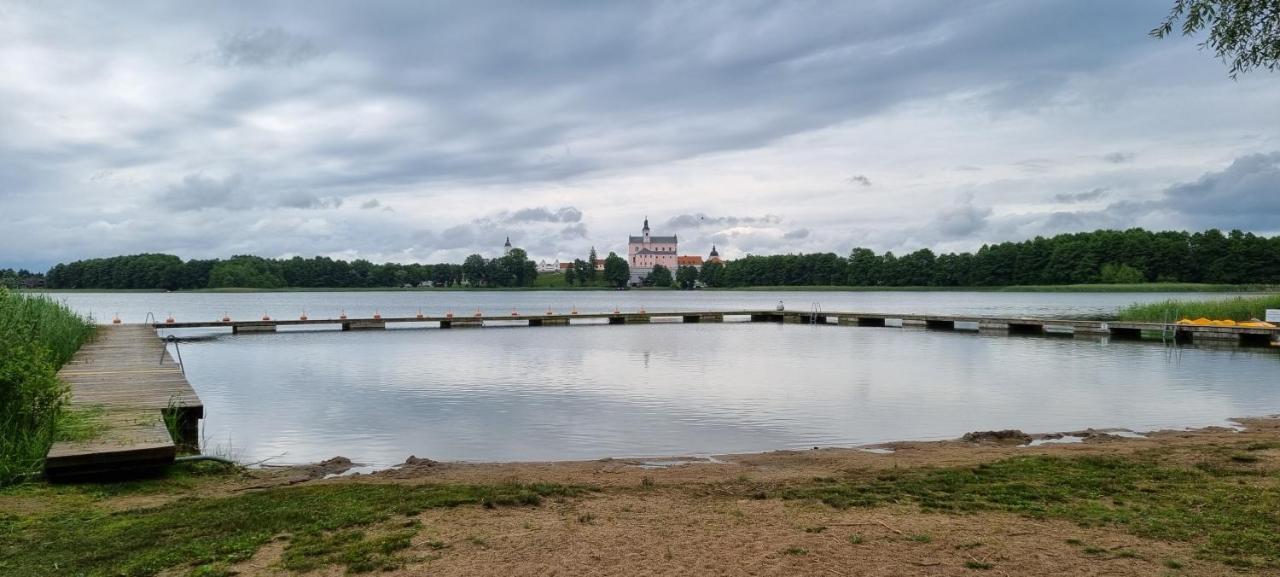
1193, 502
1002, 437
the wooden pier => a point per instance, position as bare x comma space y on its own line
982, 324
127, 378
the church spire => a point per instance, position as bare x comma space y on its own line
646, 224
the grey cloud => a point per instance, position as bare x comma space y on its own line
1094, 194
371, 203
574, 231
544, 214
300, 199
859, 179
264, 47
1118, 157
797, 234
200, 192
961, 221
1245, 195
696, 220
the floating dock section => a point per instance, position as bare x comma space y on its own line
983, 324
137, 394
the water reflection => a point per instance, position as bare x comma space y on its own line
594, 391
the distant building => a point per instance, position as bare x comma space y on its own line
714, 256
647, 251
506, 248
544, 266
694, 261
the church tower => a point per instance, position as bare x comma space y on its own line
645, 231
506, 248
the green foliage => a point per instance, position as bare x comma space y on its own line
1237, 308
202, 533
686, 277
1120, 274
1223, 506
37, 336
1245, 33
616, 271
1127, 258
659, 277
712, 274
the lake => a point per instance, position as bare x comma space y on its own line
582, 392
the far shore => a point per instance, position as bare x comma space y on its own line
1080, 288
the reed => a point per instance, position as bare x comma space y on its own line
1236, 309
37, 336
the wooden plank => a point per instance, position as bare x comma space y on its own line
127, 372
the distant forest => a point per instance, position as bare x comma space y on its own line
1104, 256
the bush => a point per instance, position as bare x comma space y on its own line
37, 336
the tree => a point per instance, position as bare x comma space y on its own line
660, 276
591, 261
1244, 33
1120, 274
569, 277
474, 269
616, 271
585, 272
686, 277
712, 274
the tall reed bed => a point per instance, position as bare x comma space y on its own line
1236, 309
37, 336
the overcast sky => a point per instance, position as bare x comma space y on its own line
425, 132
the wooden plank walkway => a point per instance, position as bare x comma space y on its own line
127, 374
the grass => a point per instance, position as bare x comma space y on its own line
360, 526
1237, 309
37, 336
1230, 509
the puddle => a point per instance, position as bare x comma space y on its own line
1063, 440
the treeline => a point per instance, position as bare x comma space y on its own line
1103, 256
168, 272
21, 278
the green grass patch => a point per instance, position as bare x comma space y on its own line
1231, 511
326, 523
79, 424
1236, 309
37, 336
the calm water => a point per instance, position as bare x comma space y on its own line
582, 392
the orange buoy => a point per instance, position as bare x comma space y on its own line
342, 315
116, 320
266, 317
478, 313
377, 315
419, 313
574, 311
448, 315
303, 317
550, 312
226, 318
169, 320
641, 310
615, 310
